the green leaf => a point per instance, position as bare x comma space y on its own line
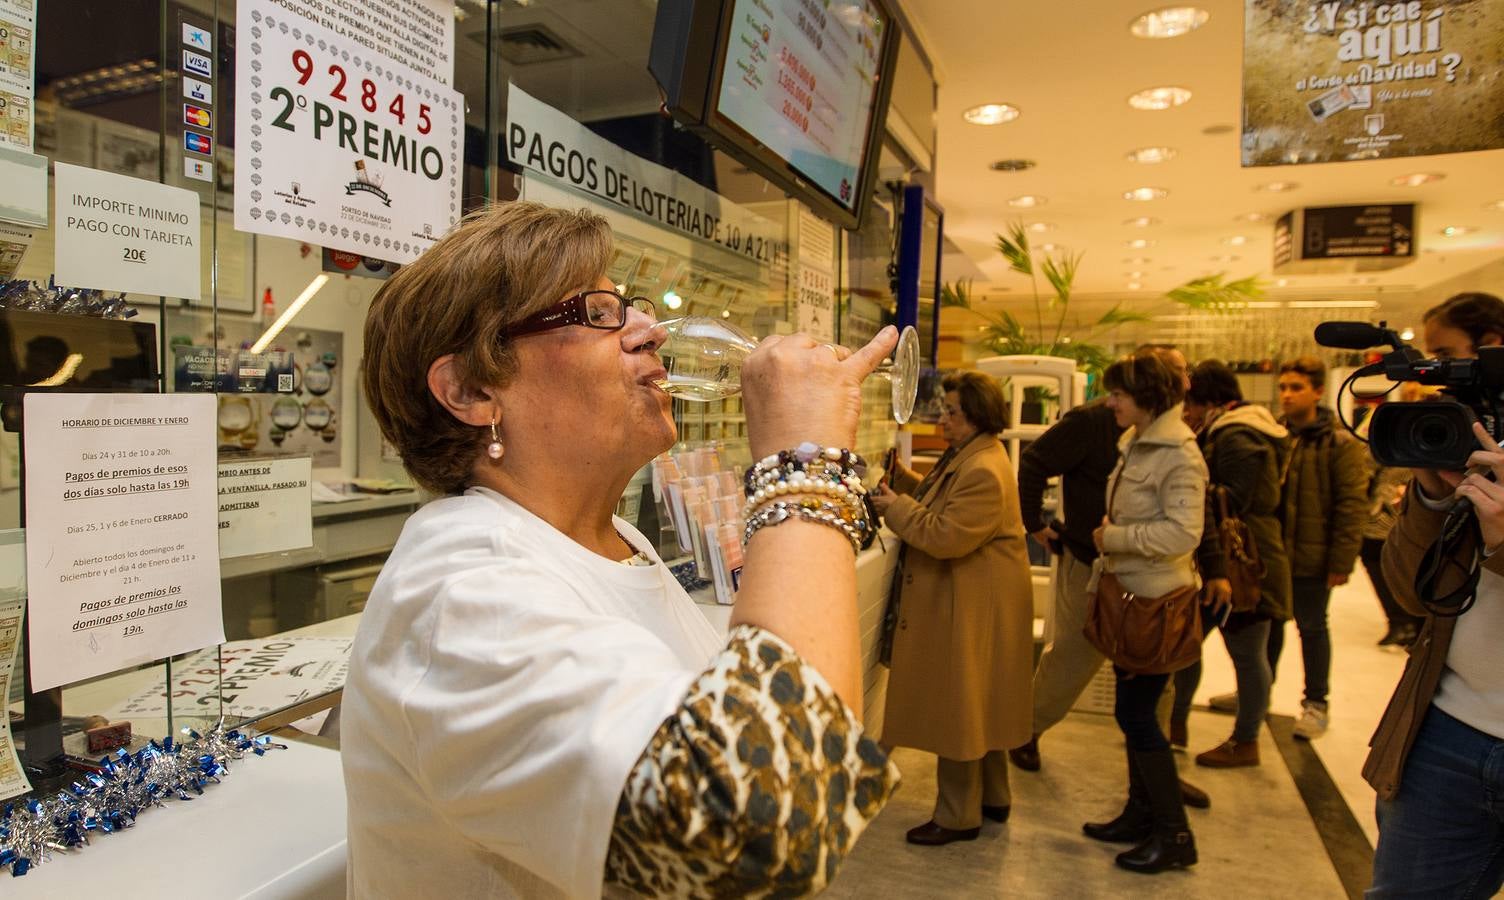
956, 295
1119, 316
1014, 246
1212, 293
1061, 275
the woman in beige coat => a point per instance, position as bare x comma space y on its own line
962, 640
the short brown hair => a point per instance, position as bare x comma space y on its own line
981, 400
1309, 366
1474, 313
498, 266
1148, 379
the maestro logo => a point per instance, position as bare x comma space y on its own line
294, 196
367, 182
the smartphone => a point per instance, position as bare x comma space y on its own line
1222, 616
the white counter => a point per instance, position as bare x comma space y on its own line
274, 828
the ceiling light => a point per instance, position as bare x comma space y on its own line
1172, 21
296, 307
1457, 230
1134, 285
672, 300
1135, 276
1416, 179
1012, 165
991, 114
1159, 98
1138, 243
1141, 222
1149, 155
725, 313
1496, 206
1040, 227
1146, 193
1027, 201
1048, 248
1251, 217
1277, 187
1408, 334
1283, 282
1236, 240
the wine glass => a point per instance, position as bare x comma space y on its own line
704, 359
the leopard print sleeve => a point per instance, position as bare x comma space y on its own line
759, 785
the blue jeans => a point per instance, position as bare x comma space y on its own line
1443, 833
1311, 597
1247, 638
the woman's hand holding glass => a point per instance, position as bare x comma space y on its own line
796, 390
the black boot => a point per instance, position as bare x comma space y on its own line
1169, 845
1134, 823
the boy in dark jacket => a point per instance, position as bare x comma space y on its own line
1325, 508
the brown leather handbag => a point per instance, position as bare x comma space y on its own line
1144, 635
1240, 555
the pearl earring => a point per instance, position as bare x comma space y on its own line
495, 449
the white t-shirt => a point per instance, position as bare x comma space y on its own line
1471, 689
504, 681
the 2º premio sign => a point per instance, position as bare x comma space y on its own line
347, 149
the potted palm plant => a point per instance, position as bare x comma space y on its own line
1006, 335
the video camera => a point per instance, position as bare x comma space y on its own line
1432, 434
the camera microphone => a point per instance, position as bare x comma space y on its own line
1354, 335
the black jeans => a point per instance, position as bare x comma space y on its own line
1134, 708
1372, 552
1311, 596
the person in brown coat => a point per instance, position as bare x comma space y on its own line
1437, 760
962, 640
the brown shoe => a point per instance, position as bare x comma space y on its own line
1193, 796
1026, 757
1230, 754
931, 835
1178, 736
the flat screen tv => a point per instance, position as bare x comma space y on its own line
797, 90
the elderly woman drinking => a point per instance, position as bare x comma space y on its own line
535, 707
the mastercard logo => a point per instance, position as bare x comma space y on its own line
196, 115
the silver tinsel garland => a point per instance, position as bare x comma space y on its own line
126, 785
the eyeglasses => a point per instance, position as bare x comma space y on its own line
606, 310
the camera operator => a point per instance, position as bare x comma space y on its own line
1435, 757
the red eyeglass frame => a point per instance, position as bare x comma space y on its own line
571, 311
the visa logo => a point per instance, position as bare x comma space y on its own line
194, 89
196, 37
197, 143
198, 64
197, 115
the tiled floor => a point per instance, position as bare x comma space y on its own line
1257, 840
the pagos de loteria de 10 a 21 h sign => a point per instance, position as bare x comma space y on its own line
345, 148
1331, 80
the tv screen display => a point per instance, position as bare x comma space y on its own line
803, 80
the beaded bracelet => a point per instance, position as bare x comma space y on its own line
851, 509
845, 490
807, 458
780, 511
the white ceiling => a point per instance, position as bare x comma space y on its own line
1069, 67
